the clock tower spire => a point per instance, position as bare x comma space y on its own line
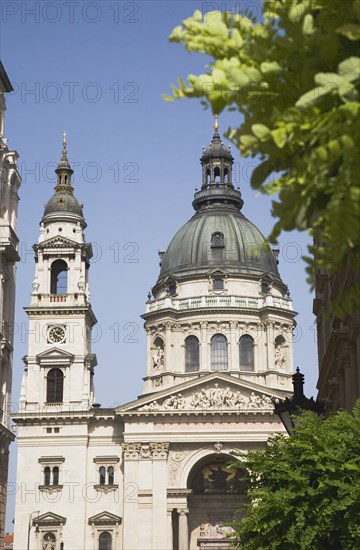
59, 366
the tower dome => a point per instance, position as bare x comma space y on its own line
63, 204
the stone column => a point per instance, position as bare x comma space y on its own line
131, 468
169, 530
159, 453
234, 359
270, 346
183, 529
204, 359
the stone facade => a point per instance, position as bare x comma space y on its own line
150, 474
338, 344
9, 186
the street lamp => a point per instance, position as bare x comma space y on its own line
290, 409
29, 527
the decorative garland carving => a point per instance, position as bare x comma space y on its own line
176, 456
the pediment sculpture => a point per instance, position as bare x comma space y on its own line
212, 398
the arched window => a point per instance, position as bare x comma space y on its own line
102, 479
191, 354
217, 477
47, 475
55, 475
58, 283
246, 353
105, 541
217, 174
55, 386
219, 352
110, 475
265, 288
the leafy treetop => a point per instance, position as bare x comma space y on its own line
304, 490
294, 76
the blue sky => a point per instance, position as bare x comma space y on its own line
97, 70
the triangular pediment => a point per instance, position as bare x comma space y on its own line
212, 392
220, 272
105, 518
54, 355
49, 519
58, 242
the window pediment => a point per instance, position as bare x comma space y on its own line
106, 459
105, 518
54, 356
57, 242
51, 459
49, 519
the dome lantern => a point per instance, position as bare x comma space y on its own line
217, 187
63, 204
64, 172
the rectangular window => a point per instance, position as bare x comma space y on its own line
218, 283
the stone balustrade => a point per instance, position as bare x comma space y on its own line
201, 302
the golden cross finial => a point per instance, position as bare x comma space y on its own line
216, 123
64, 140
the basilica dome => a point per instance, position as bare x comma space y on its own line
218, 237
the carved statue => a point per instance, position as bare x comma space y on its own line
158, 358
279, 357
229, 398
48, 544
254, 401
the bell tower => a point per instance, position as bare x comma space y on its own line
59, 366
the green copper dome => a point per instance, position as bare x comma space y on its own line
220, 238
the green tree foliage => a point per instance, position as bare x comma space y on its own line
305, 489
294, 77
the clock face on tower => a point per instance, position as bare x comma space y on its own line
56, 334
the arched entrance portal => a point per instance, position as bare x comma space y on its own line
217, 492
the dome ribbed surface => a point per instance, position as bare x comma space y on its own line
63, 202
192, 250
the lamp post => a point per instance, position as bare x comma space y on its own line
292, 407
29, 527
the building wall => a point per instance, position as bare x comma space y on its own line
9, 186
338, 344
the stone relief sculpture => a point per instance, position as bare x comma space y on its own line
174, 402
213, 398
176, 456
